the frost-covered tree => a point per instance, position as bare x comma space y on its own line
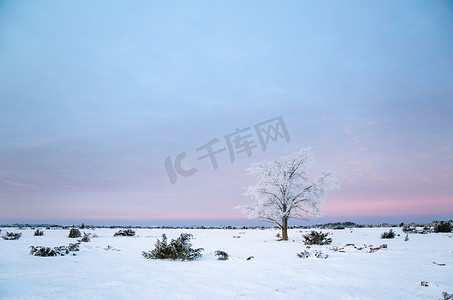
284, 190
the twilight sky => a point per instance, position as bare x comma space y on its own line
95, 96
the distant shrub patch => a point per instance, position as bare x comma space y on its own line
74, 233
442, 227
316, 238
12, 236
38, 232
221, 255
125, 232
179, 249
447, 296
412, 229
388, 235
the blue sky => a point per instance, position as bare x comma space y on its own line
95, 96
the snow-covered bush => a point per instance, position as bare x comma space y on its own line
56, 251
222, 255
388, 235
447, 296
304, 254
44, 251
316, 254
409, 229
316, 238
73, 246
38, 232
339, 227
125, 232
12, 236
74, 233
412, 229
86, 238
442, 227
319, 254
179, 249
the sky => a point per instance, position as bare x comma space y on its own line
96, 97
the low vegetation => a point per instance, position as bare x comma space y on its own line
317, 238
443, 227
388, 235
86, 238
125, 232
315, 254
177, 249
222, 255
74, 233
12, 236
38, 232
55, 251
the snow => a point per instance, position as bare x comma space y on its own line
275, 272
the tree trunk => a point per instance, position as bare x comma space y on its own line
284, 228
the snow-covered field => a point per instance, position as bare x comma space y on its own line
275, 272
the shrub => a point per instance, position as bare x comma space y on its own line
442, 227
388, 235
86, 238
73, 247
317, 254
74, 233
45, 251
179, 249
408, 229
316, 238
339, 227
12, 236
221, 255
38, 232
304, 254
447, 296
411, 229
56, 251
125, 232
